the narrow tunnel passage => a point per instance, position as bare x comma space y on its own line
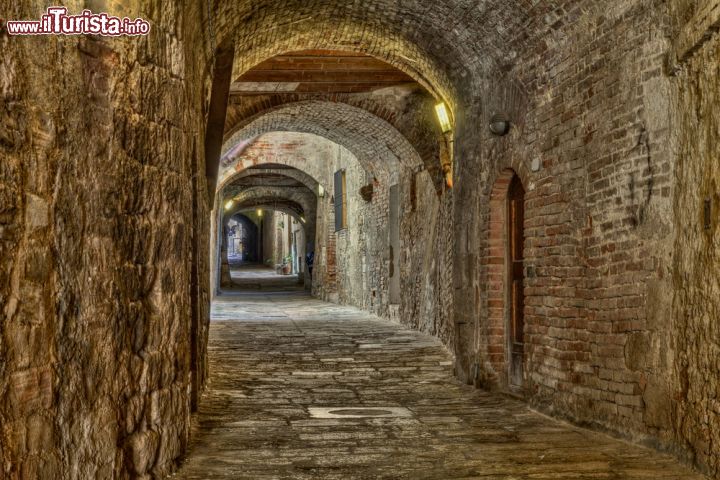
406, 207
264, 249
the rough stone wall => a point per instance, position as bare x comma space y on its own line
426, 258
361, 248
269, 237
99, 139
696, 276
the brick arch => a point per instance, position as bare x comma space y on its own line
449, 45
302, 202
281, 170
496, 260
237, 163
321, 33
423, 133
374, 142
288, 208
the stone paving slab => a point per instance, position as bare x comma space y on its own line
274, 359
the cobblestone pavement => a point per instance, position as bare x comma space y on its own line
301, 389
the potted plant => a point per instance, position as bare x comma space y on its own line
287, 265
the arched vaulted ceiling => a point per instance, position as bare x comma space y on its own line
293, 153
350, 98
455, 49
376, 144
297, 198
285, 206
408, 109
269, 203
251, 176
446, 45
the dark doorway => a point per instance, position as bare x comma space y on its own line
243, 243
516, 274
394, 226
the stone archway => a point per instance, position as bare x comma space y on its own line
279, 189
504, 283
376, 143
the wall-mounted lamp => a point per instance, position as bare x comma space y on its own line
443, 117
446, 159
229, 204
499, 125
259, 213
321, 191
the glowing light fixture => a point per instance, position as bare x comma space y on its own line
302, 219
446, 154
443, 117
229, 205
321, 191
259, 213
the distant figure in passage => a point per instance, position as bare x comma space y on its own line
309, 260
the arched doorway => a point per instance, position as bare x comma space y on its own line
243, 245
516, 280
506, 276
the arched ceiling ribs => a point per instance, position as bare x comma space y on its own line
270, 203
271, 151
272, 172
448, 45
286, 207
401, 54
376, 143
300, 200
307, 221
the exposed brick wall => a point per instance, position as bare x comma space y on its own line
597, 214
599, 236
408, 109
494, 330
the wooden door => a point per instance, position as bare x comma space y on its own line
516, 242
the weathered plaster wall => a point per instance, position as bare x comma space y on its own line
99, 140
